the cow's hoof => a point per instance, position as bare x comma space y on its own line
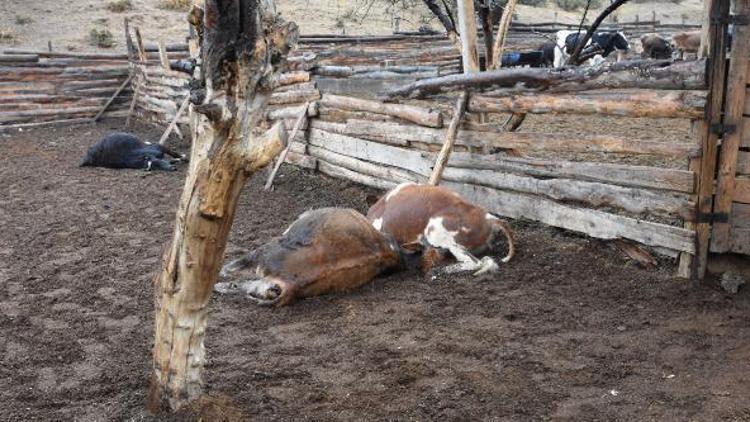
487, 266
227, 287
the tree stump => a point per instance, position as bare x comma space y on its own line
243, 48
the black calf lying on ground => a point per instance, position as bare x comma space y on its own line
123, 150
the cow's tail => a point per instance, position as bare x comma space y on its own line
502, 226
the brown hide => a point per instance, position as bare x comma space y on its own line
406, 213
688, 42
325, 250
655, 47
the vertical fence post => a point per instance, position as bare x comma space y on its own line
709, 136
730, 144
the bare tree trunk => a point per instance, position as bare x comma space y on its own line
485, 18
243, 45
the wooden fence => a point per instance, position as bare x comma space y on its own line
596, 190
41, 88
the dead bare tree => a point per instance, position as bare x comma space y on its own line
575, 57
243, 47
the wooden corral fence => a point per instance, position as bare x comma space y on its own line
606, 186
43, 88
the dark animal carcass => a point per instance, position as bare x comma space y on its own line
123, 150
519, 58
435, 221
548, 53
655, 47
324, 250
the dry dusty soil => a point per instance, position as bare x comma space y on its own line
569, 330
32, 23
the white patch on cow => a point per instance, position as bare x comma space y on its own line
620, 33
395, 190
438, 236
464, 229
378, 223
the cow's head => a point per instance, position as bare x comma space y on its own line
245, 277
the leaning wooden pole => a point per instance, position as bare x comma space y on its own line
502, 32
175, 119
450, 139
243, 46
282, 156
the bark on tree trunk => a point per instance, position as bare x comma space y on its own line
243, 46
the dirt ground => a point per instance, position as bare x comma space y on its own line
569, 330
32, 24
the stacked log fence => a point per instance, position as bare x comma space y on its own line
605, 186
40, 88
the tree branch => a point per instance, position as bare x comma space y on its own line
574, 57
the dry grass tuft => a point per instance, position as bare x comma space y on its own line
101, 38
176, 4
119, 6
7, 35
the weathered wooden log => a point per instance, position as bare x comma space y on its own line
616, 174
22, 58
86, 56
681, 104
291, 78
421, 163
302, 160
50, 123
225, 152
292, 112
294, 97
594, 194
346, 174
414, 161
418, 115
332, 114
30, 115
592, 222
301, 86
647, 74
334, 71
395, 133
391, 174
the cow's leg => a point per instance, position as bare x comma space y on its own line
439, 237
262, 291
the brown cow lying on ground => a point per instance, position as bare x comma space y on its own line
437, 220
324, 250
687, 42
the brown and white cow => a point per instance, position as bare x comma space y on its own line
687, 42
324, 250
435, 219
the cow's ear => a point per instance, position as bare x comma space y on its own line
372, 199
